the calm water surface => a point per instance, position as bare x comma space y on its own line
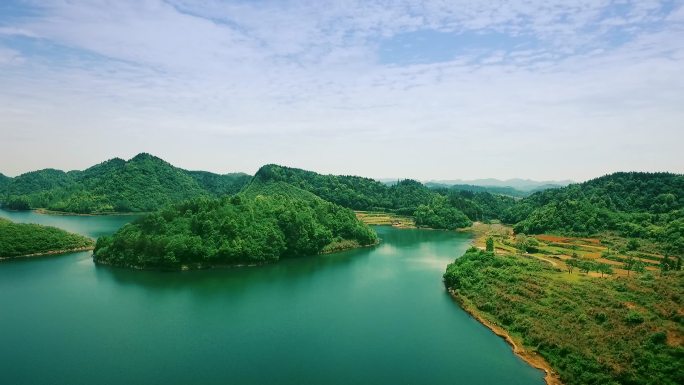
370, 316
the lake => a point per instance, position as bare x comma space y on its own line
370, 316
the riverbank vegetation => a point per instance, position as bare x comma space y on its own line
592, 330
261, 225
21, 239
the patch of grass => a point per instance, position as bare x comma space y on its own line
383, 218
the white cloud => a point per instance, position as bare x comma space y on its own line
302, 84
10, 57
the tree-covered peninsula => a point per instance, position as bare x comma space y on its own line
266, 222
22, 239
591, 330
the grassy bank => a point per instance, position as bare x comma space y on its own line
622, 330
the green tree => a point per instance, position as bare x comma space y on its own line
521, 243
586, 266
639, 267
632, 244
604, 268
664, 265
490, 244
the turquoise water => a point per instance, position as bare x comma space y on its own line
92, 226
368, 316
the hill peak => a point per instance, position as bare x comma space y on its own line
146, 156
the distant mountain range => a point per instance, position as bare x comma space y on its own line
517, 188
516, 183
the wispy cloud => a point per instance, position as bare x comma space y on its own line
511, 88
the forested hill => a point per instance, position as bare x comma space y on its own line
635, 204
354, 192
4, 181
439, 208
266, 222
143, 183
23, 239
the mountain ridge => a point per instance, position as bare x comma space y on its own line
143, 183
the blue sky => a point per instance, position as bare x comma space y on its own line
422, 89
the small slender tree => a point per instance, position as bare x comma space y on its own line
629, 265
664, 265
490, 244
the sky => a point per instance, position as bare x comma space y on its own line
541, 89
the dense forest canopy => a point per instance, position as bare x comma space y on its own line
404, 197
220, 184
497, 190
267, 222
642, 205
591, 330
4, 181
18, 239
634, 204
144, 183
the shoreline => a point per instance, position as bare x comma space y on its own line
51, 252
199, 266
66, 213
531, 358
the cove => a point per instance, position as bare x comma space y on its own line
369, 316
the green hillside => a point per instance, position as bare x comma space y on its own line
20, 239
634, 204
266, 222
407, 197
144, 183
4, 182
591, 330
218, 184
